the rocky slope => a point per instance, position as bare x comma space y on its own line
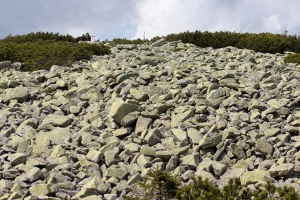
91, 131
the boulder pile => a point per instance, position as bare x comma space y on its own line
91, 131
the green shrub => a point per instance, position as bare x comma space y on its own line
40, 51
262, 42
45, 36
126, 41
292, 58
160, 185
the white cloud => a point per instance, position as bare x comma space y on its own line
272, 23
162, 17
130, 18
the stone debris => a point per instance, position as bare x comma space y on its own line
91, 131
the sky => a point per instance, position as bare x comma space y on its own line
132, 19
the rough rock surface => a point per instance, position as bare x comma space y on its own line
91, 131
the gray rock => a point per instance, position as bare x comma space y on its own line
95, 186
57, 120
142, 124
43, 189
191, 160
263, 146
120, 109
17, 158
255, 176
283, 169
153, 137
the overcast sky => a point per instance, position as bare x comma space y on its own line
108, 19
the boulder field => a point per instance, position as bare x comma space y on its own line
91, 131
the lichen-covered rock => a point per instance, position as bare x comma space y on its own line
57, 120
19, 93
17, 158
117, 172
191, 160
283, 169
34, 174
95, 186
263, 146
43, 189
153, 137
210, 140
120, 109
142, 124
255, 176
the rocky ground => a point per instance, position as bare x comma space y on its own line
91, 131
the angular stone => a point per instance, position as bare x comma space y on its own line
272, 132
95, 197
277, 104
138, 94
95, 186
266, 164
17, 158
43, 189
237, 151
5, 184
252, 177
153, 137
133, 147
34, 174
191, 160
75, 109
94, 156
283, 169
119, 109
122, 132
206, 175
90, 168
218, 168
56, 136
129, 119
111, 156
57, 151
19, 93
177, 151
164, 155
230, 174
117, 172
177, 119
263, 146
180, 135
148, 151
142, 124
194, 135
143, 161
57, 120
88, 93
172, 164
135, 178
241, 164
210, 140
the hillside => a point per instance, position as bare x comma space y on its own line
98, 126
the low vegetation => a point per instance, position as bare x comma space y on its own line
42, 50
292, 58
161, 185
